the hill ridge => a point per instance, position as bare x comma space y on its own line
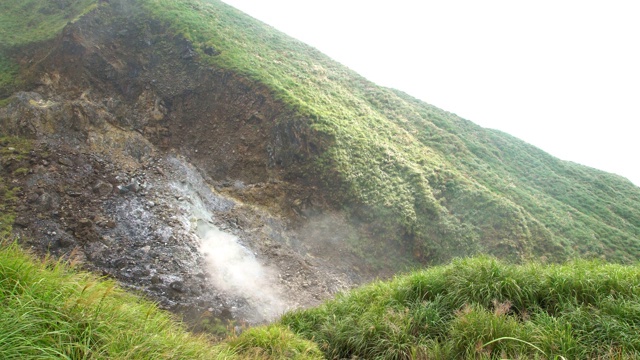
302, 158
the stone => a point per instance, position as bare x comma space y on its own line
65, 241
102, 188
45, 202
65, 161
133, 186
178, 286
85, 223
22, 221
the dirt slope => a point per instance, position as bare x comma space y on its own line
180, 180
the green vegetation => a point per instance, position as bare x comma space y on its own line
437, 184
275, 342
484, 308
29, 21
51, 311
24, 22
472, 308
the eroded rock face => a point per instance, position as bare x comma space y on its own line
179, 180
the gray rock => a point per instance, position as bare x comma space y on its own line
102, 188
65, 161
45, 202
65, 241
178, 286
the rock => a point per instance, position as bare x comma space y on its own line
120, 263
133, 186
65, 161
96, 252
45, 202
211, 51
73, 193
178, 286
139, 273
102, 188
22, 221
155, 280
32, 197
85, 223
65, 241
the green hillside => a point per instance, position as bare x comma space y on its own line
484, 309
421, 179
430, 182
23, 23
435, 183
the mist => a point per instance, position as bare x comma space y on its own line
231, 266
235, 269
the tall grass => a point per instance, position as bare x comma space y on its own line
481, 307
49, 310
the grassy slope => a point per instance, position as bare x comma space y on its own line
472, 308
26, 22
579, 310
440, 181
436, 184
51, 311
446, 186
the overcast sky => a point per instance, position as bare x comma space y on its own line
561, 75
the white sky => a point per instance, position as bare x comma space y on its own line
563, 75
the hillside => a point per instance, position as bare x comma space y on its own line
444, 186
482, 308
148, 136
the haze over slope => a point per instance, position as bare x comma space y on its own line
423, 180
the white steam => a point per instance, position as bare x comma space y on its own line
233, 268
236, 271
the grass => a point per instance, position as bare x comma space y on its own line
484, 308
28, 21
475, 308
50, 310
24, 22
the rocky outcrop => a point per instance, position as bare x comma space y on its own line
144, 160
